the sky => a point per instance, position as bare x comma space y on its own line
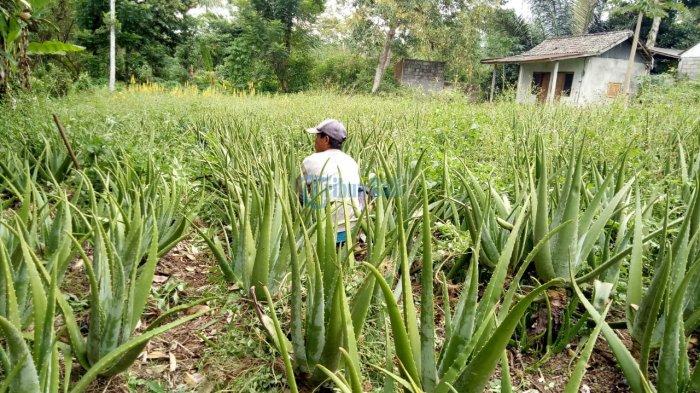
521, 8
333, 8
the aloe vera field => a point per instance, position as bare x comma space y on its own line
158, 243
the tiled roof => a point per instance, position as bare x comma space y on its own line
570, 47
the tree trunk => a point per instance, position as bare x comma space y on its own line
284, 74
384, 58
651, 38
633, 53
4, 70
23, 60
112, 46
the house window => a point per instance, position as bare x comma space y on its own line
538, 81
614, 89
568, 82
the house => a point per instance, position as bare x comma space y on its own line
428, 75
576, 69
689, 65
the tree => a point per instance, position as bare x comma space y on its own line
653, 8
552, 17
17, 20
287, 14
147, 33
421, 22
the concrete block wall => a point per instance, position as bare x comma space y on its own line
429, 75
689, 67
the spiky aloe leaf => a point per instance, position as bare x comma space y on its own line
401, 340
289, 371
427, 313
108, 360
475, 375
298, 342
630, 368
574, 383
672, 370
26, 378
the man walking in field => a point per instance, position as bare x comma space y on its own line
331, 176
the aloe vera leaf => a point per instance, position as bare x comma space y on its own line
540, 208
261, 270
464, 320
330, 357
574, 382
46, 344
508, 299
647, 316
474, 376
353, 372
637, 381
8, 308
296, 296
403, 382
494, 289
401, 341
591, 236
446, 310
145, 280
39, 301
107, 360
506, 385
349, 353
289, 371
342, 385
427, 313
224, 264
568, 210
622, 254
673, 346
315, 325
27, 380
634, 280
409, 309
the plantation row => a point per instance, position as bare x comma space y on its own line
618, 236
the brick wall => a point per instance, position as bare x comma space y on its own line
429, 75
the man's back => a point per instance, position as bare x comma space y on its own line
333, 176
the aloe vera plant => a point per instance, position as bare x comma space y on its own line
471, 352
577, 239
252, 252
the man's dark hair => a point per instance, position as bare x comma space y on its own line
335, 144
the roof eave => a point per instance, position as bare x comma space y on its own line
544, 59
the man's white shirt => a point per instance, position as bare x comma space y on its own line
335, 176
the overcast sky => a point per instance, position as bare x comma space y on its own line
332, 8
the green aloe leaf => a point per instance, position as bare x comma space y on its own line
476, 374
401, 340
27, 379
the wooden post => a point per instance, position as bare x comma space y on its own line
66, 142
630, 62
553, 83
493, 83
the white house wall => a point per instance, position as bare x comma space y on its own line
601, 71
524, 93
